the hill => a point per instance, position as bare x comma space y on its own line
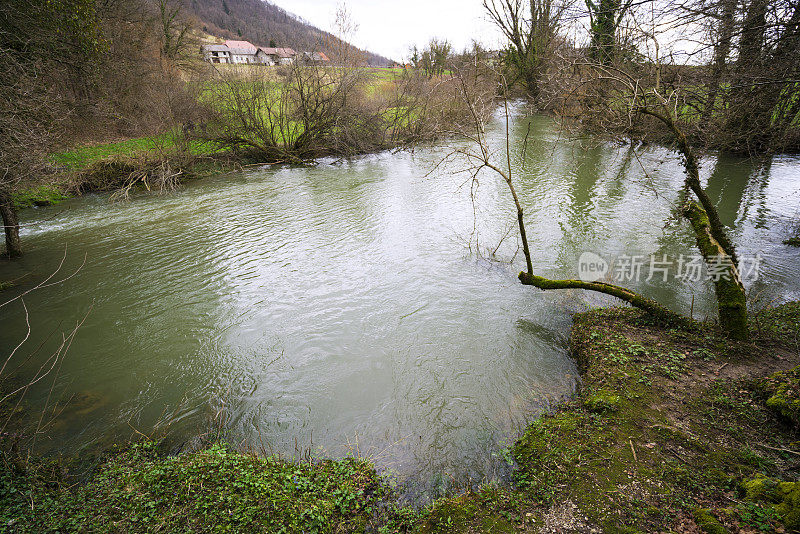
263, 23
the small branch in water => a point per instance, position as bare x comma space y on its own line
413, 312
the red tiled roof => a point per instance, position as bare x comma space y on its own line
280, 52
241, 45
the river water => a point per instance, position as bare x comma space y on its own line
367, 306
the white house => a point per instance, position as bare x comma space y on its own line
216, 53
244, 52
286, 56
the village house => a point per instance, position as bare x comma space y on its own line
216, 53
244, 52
277, 56
315, 58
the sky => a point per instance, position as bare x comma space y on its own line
390, 27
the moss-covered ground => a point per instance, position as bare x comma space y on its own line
672, 431
213, 490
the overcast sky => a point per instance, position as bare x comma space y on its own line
389, 27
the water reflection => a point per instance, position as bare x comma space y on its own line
338, 308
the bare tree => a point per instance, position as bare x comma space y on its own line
36, 43
175, 29
721, 34
710, 234
739, 88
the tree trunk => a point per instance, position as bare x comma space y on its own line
717, 250
722, 49
631, 297
604, 30
11, 227
753, 99
731, 298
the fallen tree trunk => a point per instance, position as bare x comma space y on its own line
631, 297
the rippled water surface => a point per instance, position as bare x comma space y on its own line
356, 307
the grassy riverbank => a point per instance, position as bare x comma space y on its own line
141, 490
673, 430
141, 162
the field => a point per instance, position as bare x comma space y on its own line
165, 144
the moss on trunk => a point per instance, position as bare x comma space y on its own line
631, 297
731, 298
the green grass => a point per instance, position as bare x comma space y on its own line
43, 195
212, 490
84, 156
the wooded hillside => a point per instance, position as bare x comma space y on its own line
262, 22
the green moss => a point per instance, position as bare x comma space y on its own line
789, 507
486, 511
783, 394
783, 496
707, 522
44, 195
616, 451
793, 242
602, 402
450, 516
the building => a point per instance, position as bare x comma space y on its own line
315, 58
277, 56
216, 53
244, 52
286, 56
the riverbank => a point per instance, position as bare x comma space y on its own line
156, 164
673, 430
117, 167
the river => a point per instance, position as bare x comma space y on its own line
363, 306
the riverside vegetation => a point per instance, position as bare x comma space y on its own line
674, 429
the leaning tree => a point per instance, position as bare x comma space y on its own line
634, 105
